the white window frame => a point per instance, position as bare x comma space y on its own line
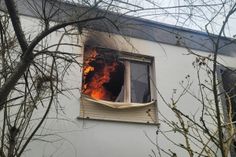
127, 57
124, 111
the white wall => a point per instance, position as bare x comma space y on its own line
69, 136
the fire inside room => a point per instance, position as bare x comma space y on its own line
103, 75
115, 76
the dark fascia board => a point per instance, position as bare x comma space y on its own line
130, 26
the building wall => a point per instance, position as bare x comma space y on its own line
63, 134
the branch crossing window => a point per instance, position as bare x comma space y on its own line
112, 77
229, 85
117, 80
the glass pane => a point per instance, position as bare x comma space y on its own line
120, 97
140, 88
229, 84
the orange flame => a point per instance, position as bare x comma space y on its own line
87, 68
95, 87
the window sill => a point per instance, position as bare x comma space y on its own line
87, 119
122, 112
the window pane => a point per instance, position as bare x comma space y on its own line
140, 89
229, 84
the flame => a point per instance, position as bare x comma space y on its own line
87, 68
95, 87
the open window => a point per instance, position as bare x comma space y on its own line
117, 86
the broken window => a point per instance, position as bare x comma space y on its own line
114, 76
103, 75
116, 86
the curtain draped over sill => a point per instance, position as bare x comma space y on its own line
117, 105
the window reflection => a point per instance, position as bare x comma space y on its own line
140, 88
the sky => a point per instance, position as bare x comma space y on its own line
202, 15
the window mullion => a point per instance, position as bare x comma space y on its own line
127, 82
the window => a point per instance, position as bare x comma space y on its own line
116, 86
229, 86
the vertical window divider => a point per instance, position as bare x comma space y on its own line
127, 82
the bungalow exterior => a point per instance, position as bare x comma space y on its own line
151, 67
